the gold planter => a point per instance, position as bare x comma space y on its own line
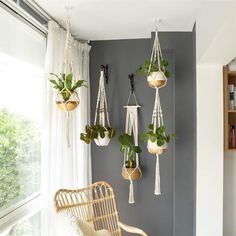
156, 79
135, 173
68, 106
156, 83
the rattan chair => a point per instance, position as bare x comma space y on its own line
96, 204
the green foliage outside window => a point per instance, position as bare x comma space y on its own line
19, 158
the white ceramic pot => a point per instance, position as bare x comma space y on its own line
156, 79
103, 141
153, 148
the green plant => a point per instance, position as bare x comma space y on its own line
92, 132
64, 84
144, 68
159, 136
127, 145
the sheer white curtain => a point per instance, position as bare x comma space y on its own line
63, 167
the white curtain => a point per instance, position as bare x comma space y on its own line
63, 167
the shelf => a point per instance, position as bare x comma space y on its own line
232, 73
231, 111
231, 149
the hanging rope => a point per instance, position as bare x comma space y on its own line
157, 121
67, 69
101, 112
131, 127
156, 56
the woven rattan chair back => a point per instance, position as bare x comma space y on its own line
95, 203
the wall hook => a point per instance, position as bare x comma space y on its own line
131, 78
105, 70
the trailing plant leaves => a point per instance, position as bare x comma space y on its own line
127, 145
93, 131
137, 149
111, 133
148, 67
159, 136
151, 126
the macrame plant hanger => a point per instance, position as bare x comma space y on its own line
157, 116
157, 121
66, 69
101, 112
156, 55
131, 128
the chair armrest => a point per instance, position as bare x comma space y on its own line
132, 230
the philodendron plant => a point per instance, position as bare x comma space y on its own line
127, 145
95, 132
65, 86
157, 140
148, 67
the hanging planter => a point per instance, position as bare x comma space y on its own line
130, 169
129, 144
155, 68
66, 84
156, 140
67, 96
101, 132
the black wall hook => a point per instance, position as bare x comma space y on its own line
131, 78
105, 70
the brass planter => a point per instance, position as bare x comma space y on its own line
156, 79
156, 83
136, 173
68, 106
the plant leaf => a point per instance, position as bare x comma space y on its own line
137, 149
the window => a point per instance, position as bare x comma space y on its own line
29, 227
22, 51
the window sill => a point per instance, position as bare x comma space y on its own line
19, 213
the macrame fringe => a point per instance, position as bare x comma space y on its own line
131, 192
67, 129
157, 190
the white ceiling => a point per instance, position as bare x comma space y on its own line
122, 19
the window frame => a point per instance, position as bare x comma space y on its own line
19, 212
24, 209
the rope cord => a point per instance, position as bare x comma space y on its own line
156, 52
131, 128
101, 111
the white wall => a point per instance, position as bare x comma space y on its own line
209, 151
216, 46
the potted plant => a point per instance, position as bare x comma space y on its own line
100, 134
67, 99
156, 75
156, 141
127, 146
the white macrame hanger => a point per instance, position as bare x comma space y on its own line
156, 54
157, 121
131, 128
67, 67
101, 112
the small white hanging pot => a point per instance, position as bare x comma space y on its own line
103, 141
156, 79
153, 147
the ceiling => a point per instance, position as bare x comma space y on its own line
123, 19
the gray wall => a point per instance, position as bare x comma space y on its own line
173, 212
